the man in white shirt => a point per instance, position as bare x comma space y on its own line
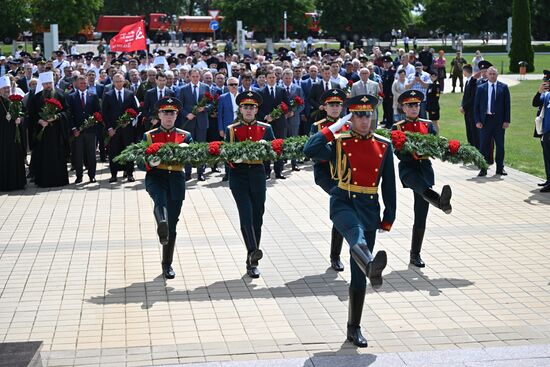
335, 76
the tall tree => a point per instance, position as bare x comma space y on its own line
371, 18
263, 15
451, 16
541, 19
521, 48
70, 15
144, 7
493, 16
13, 14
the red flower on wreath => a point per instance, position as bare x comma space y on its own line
15, 98
131, 112
214, 147
284, 107
454, 145
98, 117
153, 148
398, 139
277, 146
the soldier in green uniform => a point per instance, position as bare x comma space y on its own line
332, 103
247, 178
166, 183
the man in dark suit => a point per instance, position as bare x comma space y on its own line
316, 111
115, 102
273, 96
82, 105
492, 116
151, 97
467, 106
23, 82
197, 124
307, 82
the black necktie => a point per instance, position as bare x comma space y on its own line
493, 98
160, 94
195, 93
288, 90
326, 86
120, 96
82, 100
272, 92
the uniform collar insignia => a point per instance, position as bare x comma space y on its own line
167, 130
357, 135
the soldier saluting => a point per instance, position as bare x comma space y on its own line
166, 183
362, 161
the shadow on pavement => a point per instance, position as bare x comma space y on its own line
326, 284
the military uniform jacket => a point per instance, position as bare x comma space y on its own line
361, 164
171, 175
322, 173
247, 175
414, 167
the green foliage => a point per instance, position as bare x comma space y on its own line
13, 14
363, 18
452, 16
436, 146
142, 7
521, 49
264, 15
70, 15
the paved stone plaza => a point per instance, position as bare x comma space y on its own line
80, 270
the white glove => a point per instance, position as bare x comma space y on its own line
337, 126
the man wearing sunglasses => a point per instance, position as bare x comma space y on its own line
247, 179
416, 173
361, 162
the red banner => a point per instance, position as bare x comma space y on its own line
130, 38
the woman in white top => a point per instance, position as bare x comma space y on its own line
397, 88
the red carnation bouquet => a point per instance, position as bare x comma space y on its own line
296, 102
398, 139
214, 147
214, 105
49, 113
205, 100
277, 145
454, 146
279, 111
91, 121
15, 111
123, 121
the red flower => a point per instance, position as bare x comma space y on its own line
454, 145
131, 112
54, 102
284, 107
381, 94
350, 83
153, 148
209, 96
277, 146
398, 139
214, 147
15, 98
298, 101
98, 117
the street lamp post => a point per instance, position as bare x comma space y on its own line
284, 17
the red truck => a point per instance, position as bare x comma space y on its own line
156, 24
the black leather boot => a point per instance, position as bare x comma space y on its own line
335, 249
442, 201
161, 216
416, 247
167, 256
371, 266
254, 254
355, 310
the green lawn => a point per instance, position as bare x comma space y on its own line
523, 152
502, 61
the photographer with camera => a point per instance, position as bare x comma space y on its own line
542, 101
419, 81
